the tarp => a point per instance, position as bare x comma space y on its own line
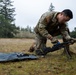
4, 57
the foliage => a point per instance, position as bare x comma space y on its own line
6, 10
7, 27
73, 33
25, 33
28, 28
51, 8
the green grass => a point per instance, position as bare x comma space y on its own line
53, 64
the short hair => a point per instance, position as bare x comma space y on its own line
68, 13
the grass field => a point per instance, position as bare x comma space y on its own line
53, 64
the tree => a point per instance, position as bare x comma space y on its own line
7, 10
28, 28
8, 28
73, 33
51, 8
75, 29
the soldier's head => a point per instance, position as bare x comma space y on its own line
65, 16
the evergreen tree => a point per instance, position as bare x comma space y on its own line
51, 8
8, 28
7, 10
73, 33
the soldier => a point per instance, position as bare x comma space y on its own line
51, 24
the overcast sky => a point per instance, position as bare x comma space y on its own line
28, 12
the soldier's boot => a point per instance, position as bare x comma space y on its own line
32, 48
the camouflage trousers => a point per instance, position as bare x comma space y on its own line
40, 42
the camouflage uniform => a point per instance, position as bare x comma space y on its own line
48, 25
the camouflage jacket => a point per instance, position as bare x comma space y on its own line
47, 23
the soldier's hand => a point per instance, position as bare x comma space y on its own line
54, 40
72, 40
50, 37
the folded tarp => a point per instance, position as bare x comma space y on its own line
4, 57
